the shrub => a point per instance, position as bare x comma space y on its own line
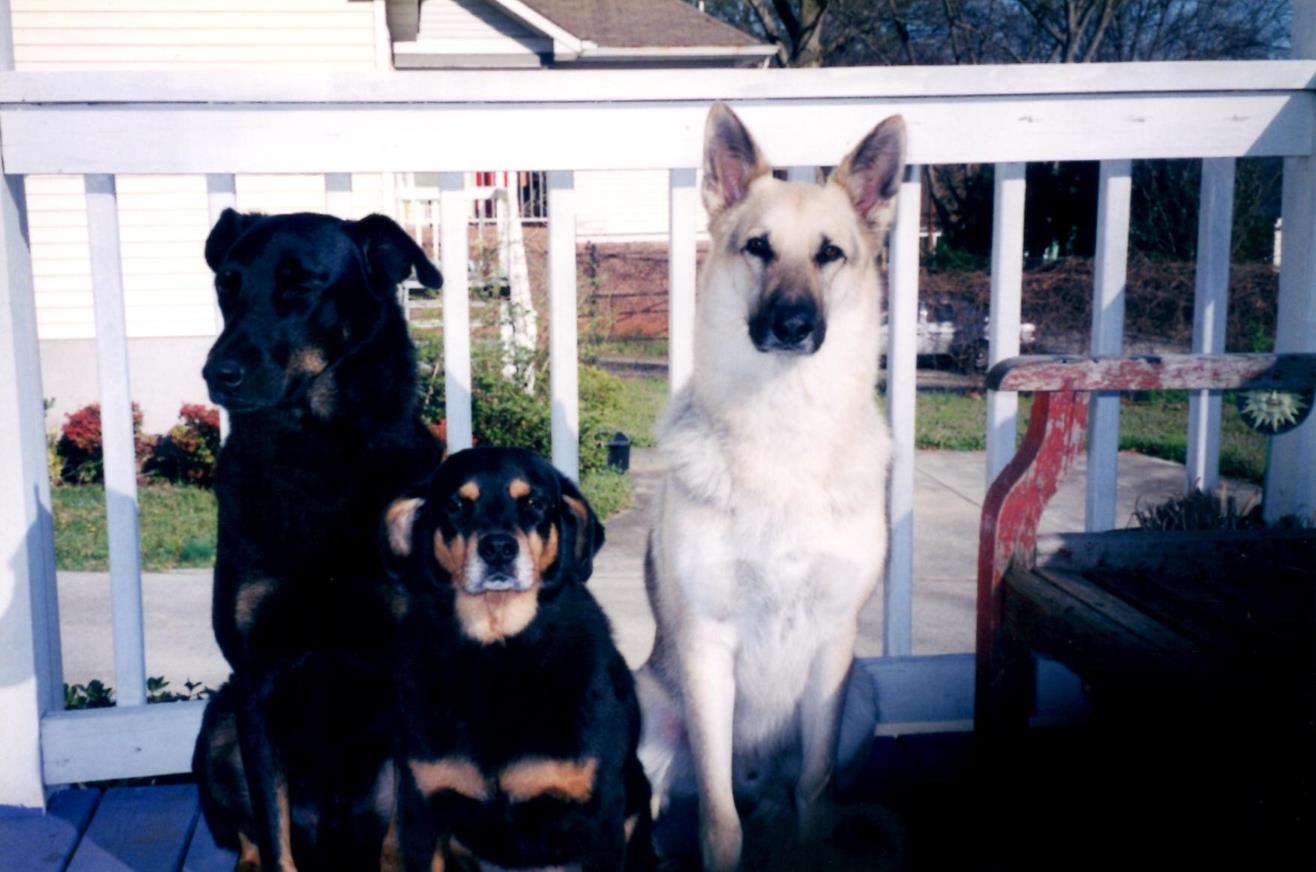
504, 414
80, 445
187, 453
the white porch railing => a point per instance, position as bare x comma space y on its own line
103, 124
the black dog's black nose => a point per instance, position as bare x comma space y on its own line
793, 322
229, 374
498, 549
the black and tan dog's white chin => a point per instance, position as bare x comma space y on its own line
299, 293
788, 324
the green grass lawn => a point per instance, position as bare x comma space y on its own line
178, 523
1155, 424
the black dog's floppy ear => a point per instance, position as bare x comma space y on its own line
731, 160
391, 252
872, 172
582, 532
227, 229
399, 524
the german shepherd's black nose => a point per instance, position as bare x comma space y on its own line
498, 549
791, 324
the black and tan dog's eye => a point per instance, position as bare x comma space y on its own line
759, 247
534, 504
828, 253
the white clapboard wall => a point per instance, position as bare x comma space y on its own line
164, 219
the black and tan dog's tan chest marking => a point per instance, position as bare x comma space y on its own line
519, 716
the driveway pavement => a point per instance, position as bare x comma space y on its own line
949, 488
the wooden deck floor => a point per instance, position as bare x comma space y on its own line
114, 830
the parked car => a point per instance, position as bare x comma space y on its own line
954, 333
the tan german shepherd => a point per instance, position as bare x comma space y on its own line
771, 530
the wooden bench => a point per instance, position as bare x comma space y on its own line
1160, 626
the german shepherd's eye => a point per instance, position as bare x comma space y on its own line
759, 247
828, 253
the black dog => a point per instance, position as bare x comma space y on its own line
317, 371
519, 717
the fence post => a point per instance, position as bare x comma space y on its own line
454, 251
564, 383
1006, 304
902, 363
1291, 465
30, 679
1210, 305
682, 199
119, 444
1110, 281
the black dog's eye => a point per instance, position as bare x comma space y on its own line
228, 282
457, 505
534, 504
828, 253
759, 247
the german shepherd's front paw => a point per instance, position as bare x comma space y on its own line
721, 843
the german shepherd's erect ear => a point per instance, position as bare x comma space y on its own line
731, 160
391, 253
871, 174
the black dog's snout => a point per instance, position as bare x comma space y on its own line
229, 374
792, 323
498, 549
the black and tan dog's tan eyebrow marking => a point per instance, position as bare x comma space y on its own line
518, 488
456, 774
572, 780
469, 491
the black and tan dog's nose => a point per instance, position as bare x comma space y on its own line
498, 549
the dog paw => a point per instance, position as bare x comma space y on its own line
721, 845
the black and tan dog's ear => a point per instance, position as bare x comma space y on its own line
731, 160
391, 252
227, 229
871, 174
400, 524
582, 532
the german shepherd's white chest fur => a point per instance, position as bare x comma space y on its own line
771, 530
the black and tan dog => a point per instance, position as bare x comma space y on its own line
317, 371
519, 717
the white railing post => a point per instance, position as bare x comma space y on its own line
1110, 281
30, 673
562, 376
118, 446
338, 194
30, 680
221, 194
902, 363
1291, 463
1210, 305
454, 250
682, 215
1006, 307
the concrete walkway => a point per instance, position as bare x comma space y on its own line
949, 488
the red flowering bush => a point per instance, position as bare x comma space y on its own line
80, 448
187, 453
